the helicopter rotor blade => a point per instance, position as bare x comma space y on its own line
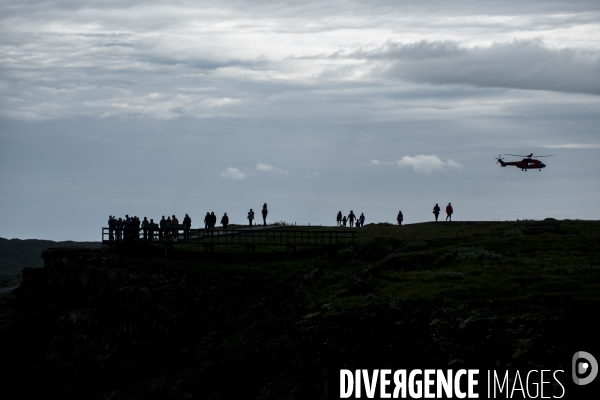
529, 155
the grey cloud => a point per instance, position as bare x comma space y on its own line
517, 65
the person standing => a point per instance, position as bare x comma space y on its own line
187, 224
400, 218
361, 220
119, 229
436, 211
151, 227
111, 228
162, 226
145, 228
264, 214
449, 212
225, 221
138, 225
213, 220
344, 220
250, 217
339, 219
207, 220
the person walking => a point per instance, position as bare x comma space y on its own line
351, 218
250, 217
361, 220
207, 220
339, 219
449, 212
400, 218
264, 214
436, 211
344, 220
225, 221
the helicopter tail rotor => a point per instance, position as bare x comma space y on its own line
499, 160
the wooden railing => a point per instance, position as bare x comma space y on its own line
258, 237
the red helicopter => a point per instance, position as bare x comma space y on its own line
526, 163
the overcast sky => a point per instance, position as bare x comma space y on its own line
155, 108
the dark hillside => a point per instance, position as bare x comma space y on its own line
16, 254
133, 324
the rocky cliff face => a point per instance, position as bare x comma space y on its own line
94, 324
89, 325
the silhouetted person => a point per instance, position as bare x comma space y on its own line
175, 230
449, 212
119, 229
162, 226
264, 214
339, 219
250, 217
169, 226
213, 220
136, 224
151, 227
351, 218
344, 220
361, 220
145, 228
127, 228
436, 211
400, 218
111, 228
225, 221
207, 220
187, 224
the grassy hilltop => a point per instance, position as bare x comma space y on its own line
118, 324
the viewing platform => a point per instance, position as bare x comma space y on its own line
250, 237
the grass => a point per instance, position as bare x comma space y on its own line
473, 263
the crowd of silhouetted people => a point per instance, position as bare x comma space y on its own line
352, 220
129, 228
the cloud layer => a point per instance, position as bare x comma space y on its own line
63, 59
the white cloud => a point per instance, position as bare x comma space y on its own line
426, 164
269, 168
221, 102
233, 173
377, 162
453, 164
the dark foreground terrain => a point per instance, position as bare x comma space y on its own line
134, 324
